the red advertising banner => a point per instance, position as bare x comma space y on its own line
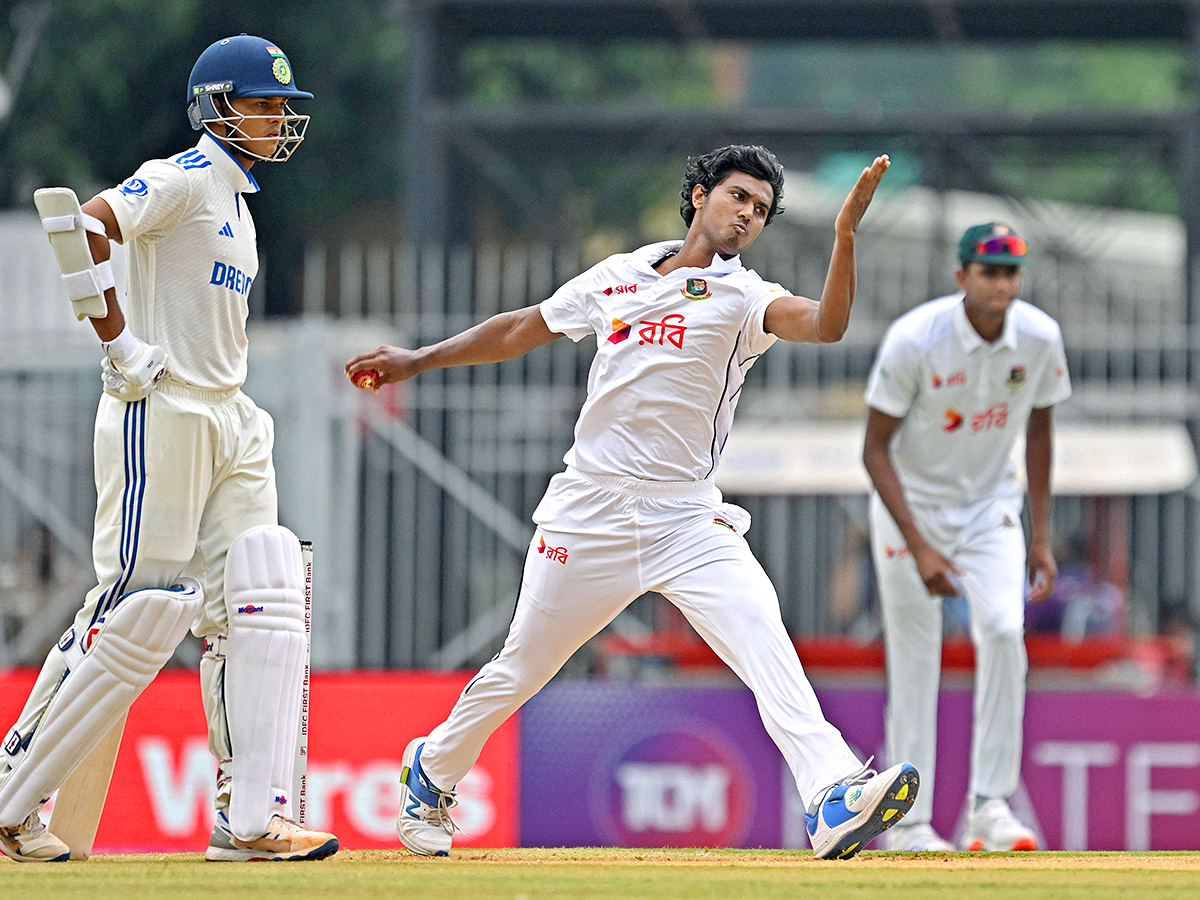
161, 793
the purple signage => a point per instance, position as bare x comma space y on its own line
632, 765
635, 766
1109, 771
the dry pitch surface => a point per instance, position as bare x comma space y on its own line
620, 874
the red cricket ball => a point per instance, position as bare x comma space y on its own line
367, 379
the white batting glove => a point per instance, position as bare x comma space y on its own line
116, 385
132, 367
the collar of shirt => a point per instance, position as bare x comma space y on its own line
227, 165
971, 340
644, 259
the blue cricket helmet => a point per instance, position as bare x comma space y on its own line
243, 66
253, 66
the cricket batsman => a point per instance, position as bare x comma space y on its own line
186, 532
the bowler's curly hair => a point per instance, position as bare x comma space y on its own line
712, 168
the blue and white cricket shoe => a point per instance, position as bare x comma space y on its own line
423, 822
849, 814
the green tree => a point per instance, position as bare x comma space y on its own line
107, 89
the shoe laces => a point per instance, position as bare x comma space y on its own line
33, 826
285, 824
30, 828
862, 775
440, 815
859, 776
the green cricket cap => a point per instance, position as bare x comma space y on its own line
992, 243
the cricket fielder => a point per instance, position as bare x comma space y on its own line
955, 382
677, 326
186, 532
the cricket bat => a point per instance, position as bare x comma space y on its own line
299, 801
80, 800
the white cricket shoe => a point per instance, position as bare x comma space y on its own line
283, 840
918, 837
31, 842
423, 822
849, 814
991, 825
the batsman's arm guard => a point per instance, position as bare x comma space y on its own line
67, 225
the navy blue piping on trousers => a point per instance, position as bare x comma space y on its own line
131, 504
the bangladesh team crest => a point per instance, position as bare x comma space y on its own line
696, 289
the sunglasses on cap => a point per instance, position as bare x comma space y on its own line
1009, 245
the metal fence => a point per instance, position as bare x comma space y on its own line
47, 501
449, 484
430, 519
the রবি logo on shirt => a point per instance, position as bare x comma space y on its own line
620, 332
670, 330
995, 416
958, 379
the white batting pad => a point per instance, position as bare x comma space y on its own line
264, 669
121, 654
67, 225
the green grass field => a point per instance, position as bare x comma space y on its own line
620, 874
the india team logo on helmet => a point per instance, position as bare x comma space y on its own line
244, 66
280, 67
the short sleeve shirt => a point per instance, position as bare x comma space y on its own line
964, 402
193, 256
672, 355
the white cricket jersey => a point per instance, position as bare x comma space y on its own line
673, 351
193, 255
964, 401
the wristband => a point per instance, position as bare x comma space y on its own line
122, 346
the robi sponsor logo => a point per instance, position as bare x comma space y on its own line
231, 277
958, 379
684, 787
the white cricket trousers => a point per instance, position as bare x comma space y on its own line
986, 541
603, 541
179, 475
